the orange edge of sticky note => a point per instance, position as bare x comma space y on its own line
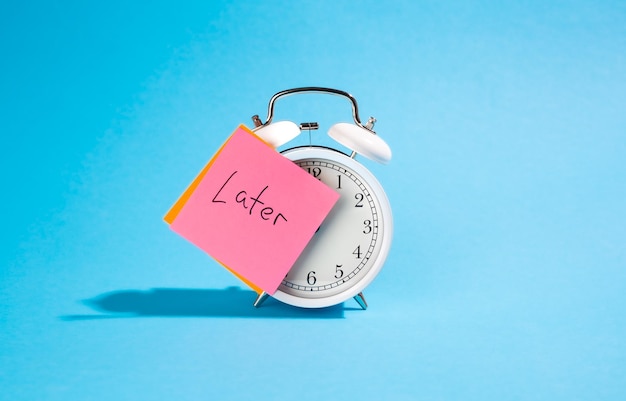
171, 215
249, 283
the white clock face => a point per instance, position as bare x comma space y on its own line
350, 246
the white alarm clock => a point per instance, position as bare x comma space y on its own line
350, 247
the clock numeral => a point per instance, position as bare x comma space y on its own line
310, 278
359, 197
357, 252
338, 271
368, 226
314, 171
338, 181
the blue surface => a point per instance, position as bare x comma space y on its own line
507, 276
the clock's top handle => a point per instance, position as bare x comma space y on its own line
308, 89
360, 138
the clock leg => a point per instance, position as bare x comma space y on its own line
360, 299
260, 299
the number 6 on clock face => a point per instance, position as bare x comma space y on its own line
350, 247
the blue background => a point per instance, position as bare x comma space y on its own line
507, 275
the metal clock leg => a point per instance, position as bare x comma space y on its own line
360, 299
260, 299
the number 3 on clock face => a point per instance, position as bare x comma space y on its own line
350, 247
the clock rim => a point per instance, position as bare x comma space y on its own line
334, 155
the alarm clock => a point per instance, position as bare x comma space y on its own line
349, 248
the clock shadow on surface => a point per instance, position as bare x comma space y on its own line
231, 302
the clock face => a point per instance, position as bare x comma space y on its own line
350, 246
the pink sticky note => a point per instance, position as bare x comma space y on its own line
254, 210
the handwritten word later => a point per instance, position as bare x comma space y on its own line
248, 202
